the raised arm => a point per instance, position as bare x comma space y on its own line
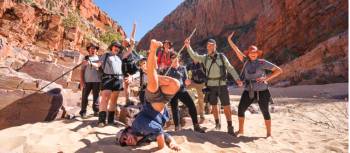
238, 52
129, 49
196, 57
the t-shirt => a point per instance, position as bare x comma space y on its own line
180, 74
113, 64
149, 123
256, 69
91, 73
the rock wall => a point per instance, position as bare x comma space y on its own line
39, 41
285, 30
53, 25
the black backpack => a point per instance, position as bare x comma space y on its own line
198, 75
129, 64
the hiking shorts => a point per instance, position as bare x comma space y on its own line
217, 92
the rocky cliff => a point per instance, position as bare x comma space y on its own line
288, 31
39, 41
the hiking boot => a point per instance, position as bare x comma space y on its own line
102, 118
129, 102
197, 128
83, 115
177, 128
111, 117
218, 126
230, 130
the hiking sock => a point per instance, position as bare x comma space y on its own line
102, 117
217, 124
111, 117
229, 123
217, 121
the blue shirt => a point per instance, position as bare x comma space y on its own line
149, 123
180, 74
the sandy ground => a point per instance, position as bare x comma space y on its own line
299, 125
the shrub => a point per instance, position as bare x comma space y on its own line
110, 35
71, 20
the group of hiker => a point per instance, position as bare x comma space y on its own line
164, 80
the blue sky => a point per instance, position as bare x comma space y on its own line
146, 13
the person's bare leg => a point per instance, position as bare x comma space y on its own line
113, 101
126, 91
105, 96
268, 128
241, 125
215, 112
152, 76
228, 113
168, 85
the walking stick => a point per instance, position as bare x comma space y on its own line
60, 76
183, 47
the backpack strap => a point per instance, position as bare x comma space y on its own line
104, 62
222, 60
205, 64
207, 74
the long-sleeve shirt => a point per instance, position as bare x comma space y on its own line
215, 69
180, 74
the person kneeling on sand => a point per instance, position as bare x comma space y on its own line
148, 125
256, 83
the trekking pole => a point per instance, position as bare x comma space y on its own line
60, 76
183, 47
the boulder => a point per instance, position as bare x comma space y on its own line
29, 108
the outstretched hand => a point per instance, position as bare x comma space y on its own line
174, 146
187, 42
230, 36
239, 83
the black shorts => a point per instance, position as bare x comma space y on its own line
157, 97
112, 83
214, 93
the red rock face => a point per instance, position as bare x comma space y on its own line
36, 47
41, 23
285, 30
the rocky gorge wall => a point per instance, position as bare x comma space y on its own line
39, 41
288, 31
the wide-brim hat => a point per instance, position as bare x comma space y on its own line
116, 44
92, 46
168, 42
253, 49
